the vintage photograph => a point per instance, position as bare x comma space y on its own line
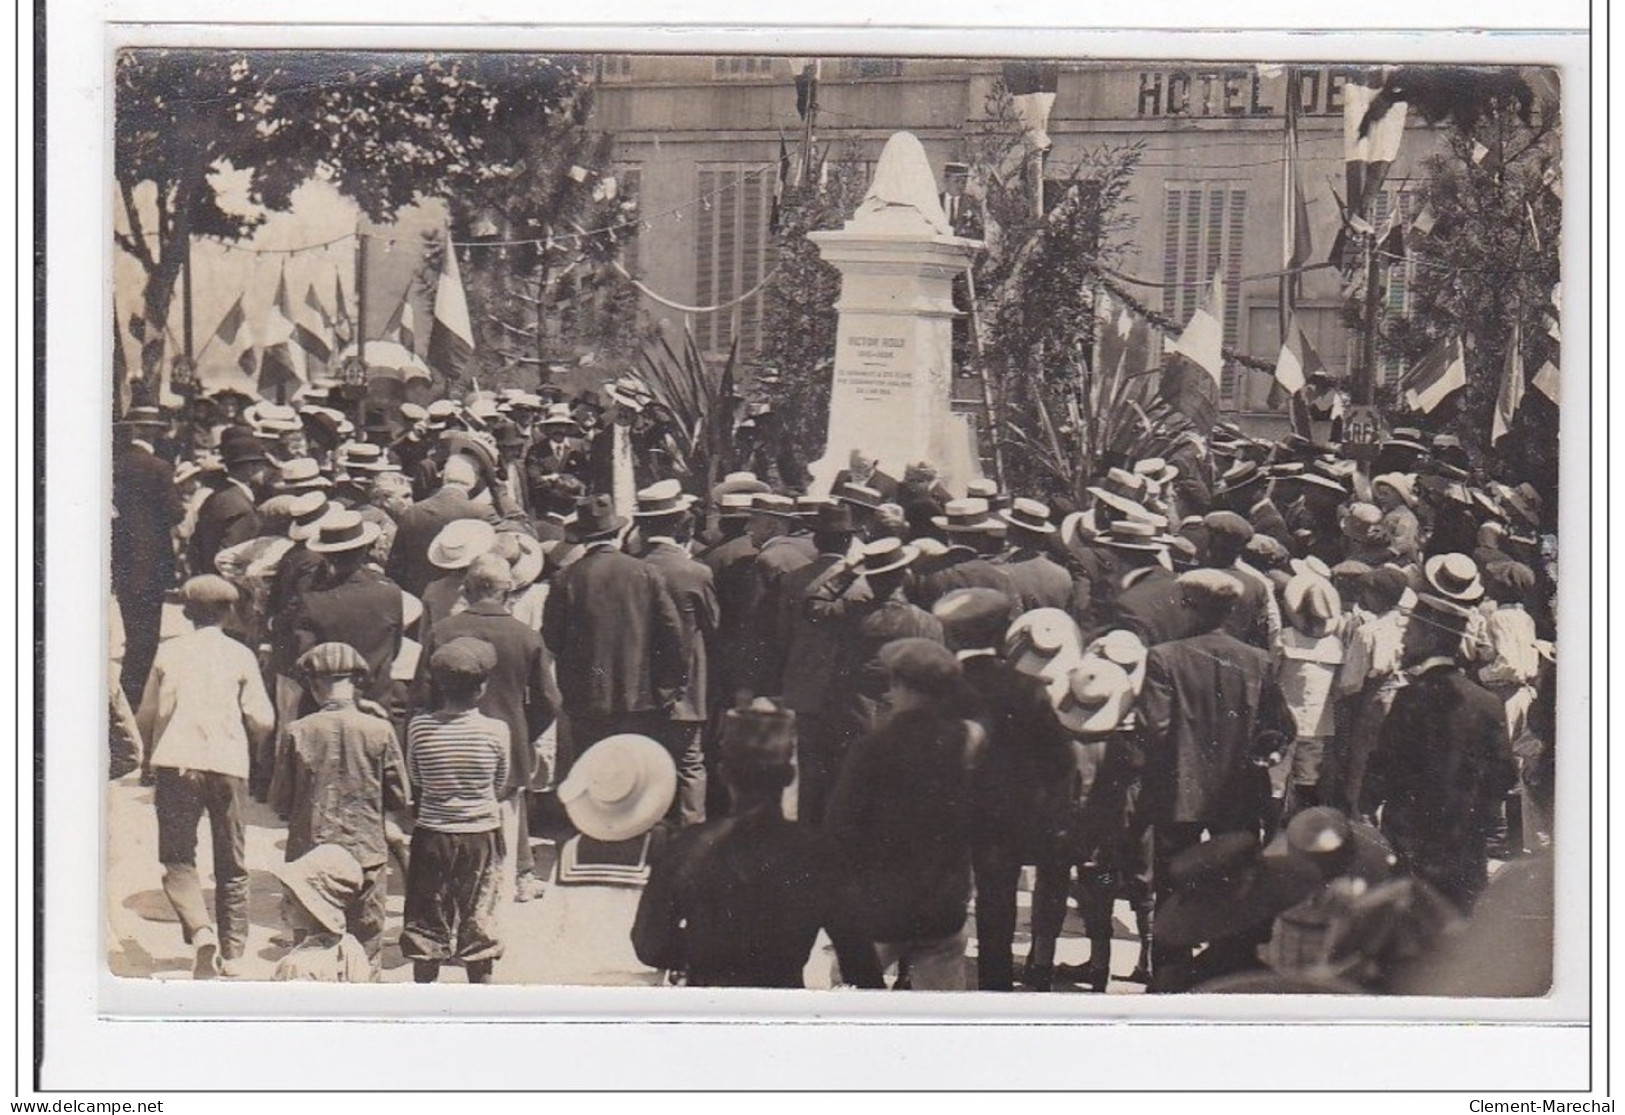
1042, 525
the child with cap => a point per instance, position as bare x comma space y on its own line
458, 763
1307, 661
339, 772
203, 711
322, 890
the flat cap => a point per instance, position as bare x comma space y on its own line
1228, 524
1210, 586
331, 660
464, 657
209, 588
974, 618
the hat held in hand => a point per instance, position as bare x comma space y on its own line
620, 787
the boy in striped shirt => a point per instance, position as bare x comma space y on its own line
458, 762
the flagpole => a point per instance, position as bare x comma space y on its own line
808, 122
360, 292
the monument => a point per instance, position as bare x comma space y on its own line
892, 389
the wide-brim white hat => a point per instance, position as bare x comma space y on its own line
620, 787
460, 542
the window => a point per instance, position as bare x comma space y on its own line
734, 66
614, 67
1400, 274
1203, 233
871, 67
733, 252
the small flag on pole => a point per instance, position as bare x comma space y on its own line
1032, 86
777, 212
1434, 377
1546, 381
343, 329
280, 369
1372, 130
451, 334
311, 327
1512, 387
1202, 342
1298, 360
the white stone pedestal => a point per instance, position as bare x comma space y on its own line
892, 389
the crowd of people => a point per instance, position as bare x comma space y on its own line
1287, 705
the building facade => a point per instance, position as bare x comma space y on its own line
698, 139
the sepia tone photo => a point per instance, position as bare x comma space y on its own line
1059, 526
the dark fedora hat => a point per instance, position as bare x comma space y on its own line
1238, 476
832, 518
595, 517
143, 416
1225, 886
241, 449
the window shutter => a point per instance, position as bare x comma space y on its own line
1234, 241
1170, 250
705, 259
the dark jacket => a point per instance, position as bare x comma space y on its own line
866, 625
615, 635
1211, 704
763, 600
143, 550
1153, 607
886, 485
297, 572
1444, 761
226, 518
516, 691
1266, 518
809, 648
409, 564
1024, 769
363, 610
900, 817
1036, 579
337, 772
693, 591
733, 567
960, 567
739, 902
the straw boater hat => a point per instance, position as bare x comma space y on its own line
1124, 490
808, 507
141, 417
1098, 697
325, 881
594, 518
860, 495
773, 505
305, 514
1455, 577
273, 418
477, 444
1362, 523
413, 413
739, 483
964, 516
1044, 643
186, 470
301, 473
885, 555
666, 497
1132, 534
619, 788
630, 392
360, 456
1122, 648
341, 531
460, 542
734, 505
1157, 471
559, 415
988, 489
1028, 515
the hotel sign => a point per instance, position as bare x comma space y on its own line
1201, 90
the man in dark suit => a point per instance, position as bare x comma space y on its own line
1245, 489
731, 562
1020, 780
615, 635
515, 691
666, 523
1149, 602
146, 509
409, 564
228, 517
351, 603
864, 471
1214, 718
1255, 618
963, 213
1444, 760
811, 650
559, 450
1036, 579
783, 545
969, 530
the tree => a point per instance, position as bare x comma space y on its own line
1490, 260
1034, 302
799, 318
550, 287
384, 128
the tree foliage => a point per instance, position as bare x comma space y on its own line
1491, 259
384, 128
799, 318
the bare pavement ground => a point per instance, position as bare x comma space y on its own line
144, 935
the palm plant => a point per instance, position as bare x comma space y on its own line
703, 403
